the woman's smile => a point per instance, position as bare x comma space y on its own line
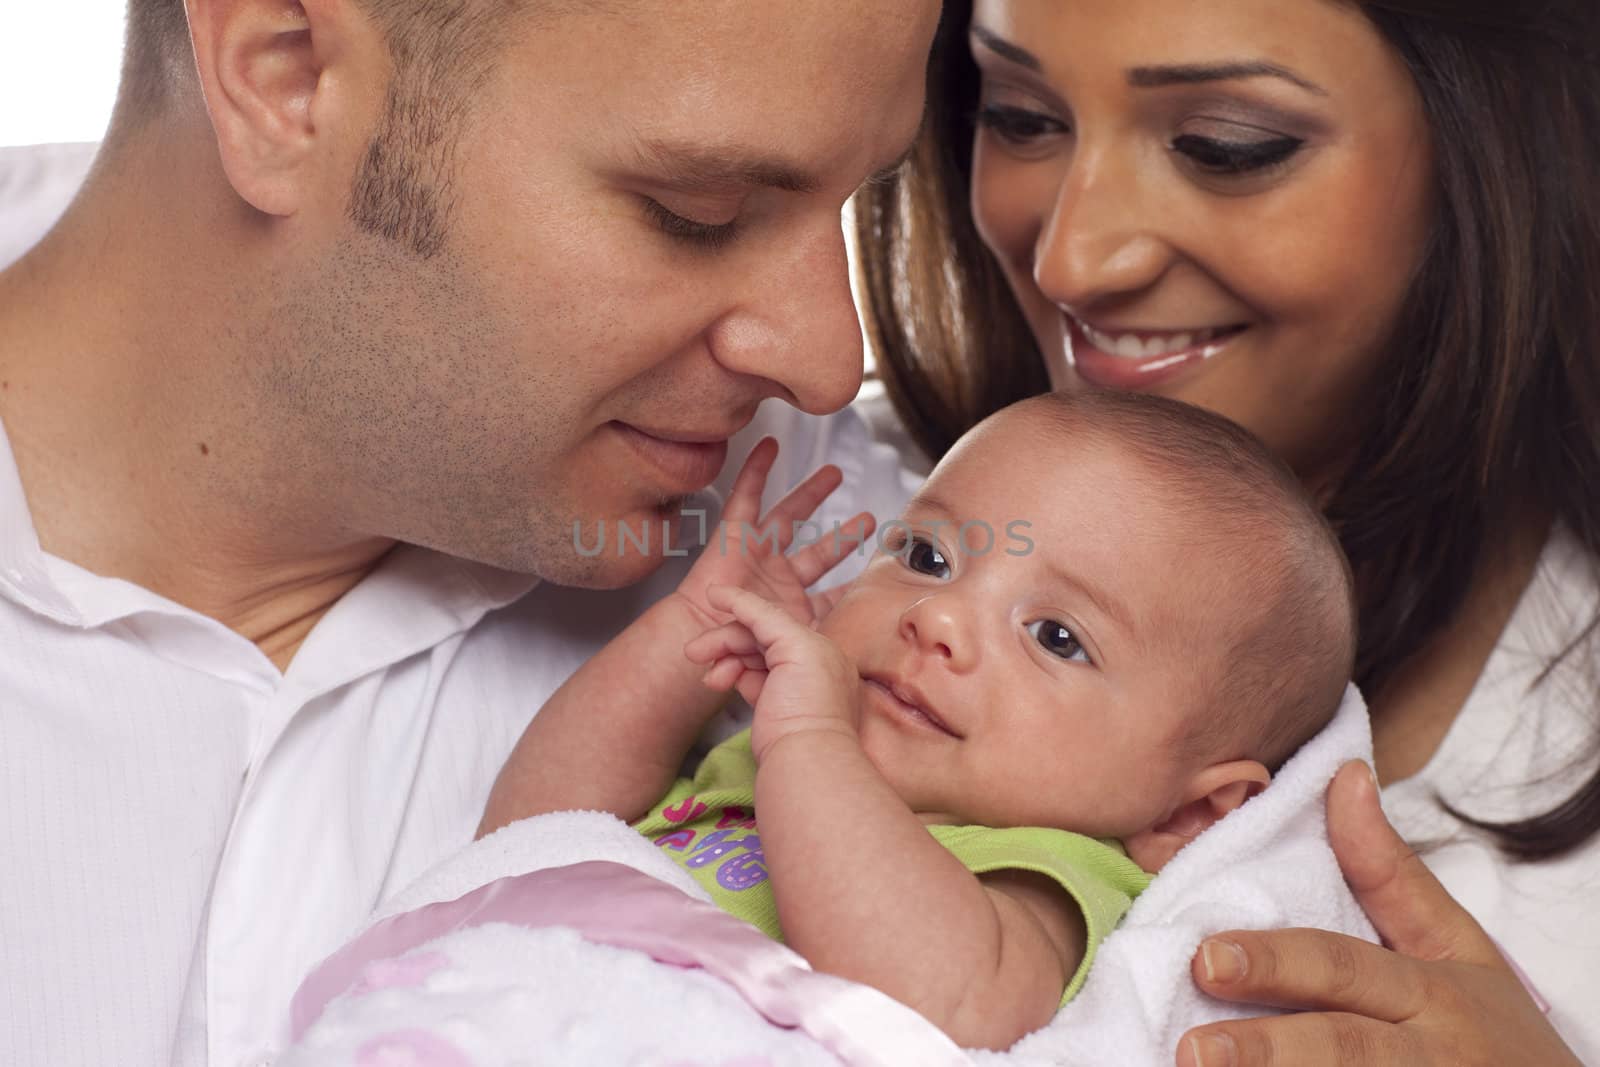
1133, 359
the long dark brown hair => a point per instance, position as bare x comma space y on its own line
1494, 395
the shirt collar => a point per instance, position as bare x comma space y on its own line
24, 577
413, 601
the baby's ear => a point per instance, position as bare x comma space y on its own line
1211, 794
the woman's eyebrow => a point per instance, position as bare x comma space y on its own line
1157, 77
1005, 49
1195, 73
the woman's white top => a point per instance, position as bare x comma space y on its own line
1519, 747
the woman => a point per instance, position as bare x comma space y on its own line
1369, 233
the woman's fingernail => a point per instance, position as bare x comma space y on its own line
1224, 961
1213, 1050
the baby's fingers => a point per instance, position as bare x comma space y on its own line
750, 686
730, 639
793, 510
815, 560
744, 499
766, 621
725, 673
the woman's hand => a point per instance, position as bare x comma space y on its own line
1438, 993
750, 551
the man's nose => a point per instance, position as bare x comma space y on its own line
938, 627
795, 324
1101, 239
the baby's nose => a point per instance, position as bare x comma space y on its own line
936, 625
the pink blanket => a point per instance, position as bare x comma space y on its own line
809, 1017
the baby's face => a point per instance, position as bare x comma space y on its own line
1046, 681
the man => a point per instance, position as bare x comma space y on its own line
350, 277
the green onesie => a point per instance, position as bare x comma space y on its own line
708, 825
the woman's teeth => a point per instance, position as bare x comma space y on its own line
1132, 346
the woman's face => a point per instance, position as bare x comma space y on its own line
1222, 202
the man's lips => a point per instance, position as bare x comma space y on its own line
687, 437
908, 702
686, 459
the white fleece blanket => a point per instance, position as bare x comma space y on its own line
569, 939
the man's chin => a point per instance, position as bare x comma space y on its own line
609, 572
604, 553
613, 553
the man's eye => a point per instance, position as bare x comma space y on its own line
708, 235
1056, 639
1227, 158
924, 558
1019, 126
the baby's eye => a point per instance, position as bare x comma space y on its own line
1057, 640
924, 558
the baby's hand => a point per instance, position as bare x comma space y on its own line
797, 679
745, 553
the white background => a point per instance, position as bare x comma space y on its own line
59, 62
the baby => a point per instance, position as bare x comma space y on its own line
1097, 629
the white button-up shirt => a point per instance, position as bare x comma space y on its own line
185, 831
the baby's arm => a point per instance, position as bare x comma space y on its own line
613, 737
863, 890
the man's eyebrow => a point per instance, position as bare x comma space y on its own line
697, 166
1197, 73
1005, 49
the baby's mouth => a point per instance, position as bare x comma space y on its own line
908, 702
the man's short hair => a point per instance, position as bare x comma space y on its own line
441, 49
445, 36
155, 58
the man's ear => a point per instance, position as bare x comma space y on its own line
1210, 795
281, 78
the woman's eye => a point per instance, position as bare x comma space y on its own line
708, 235
1018, 125
1057, 640
924, 558
1228, 158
